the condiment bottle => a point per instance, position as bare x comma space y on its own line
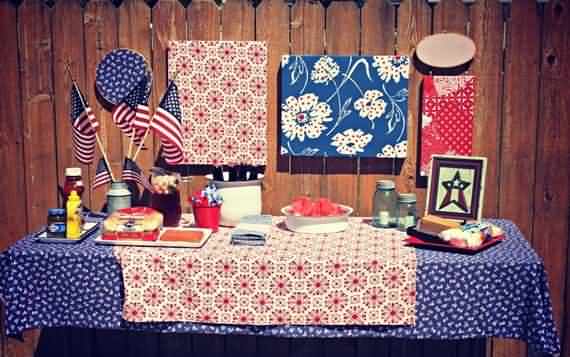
406, 210
73, 207
385, 204
73, 181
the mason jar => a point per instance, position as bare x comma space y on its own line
385, 204
406, 210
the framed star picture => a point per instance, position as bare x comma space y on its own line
456, 187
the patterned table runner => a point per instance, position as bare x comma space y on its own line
363, 276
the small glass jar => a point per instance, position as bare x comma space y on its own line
406, 210
385, 204
73, 182
56, 223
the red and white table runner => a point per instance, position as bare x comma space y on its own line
363, 276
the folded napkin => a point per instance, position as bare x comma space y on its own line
252, 230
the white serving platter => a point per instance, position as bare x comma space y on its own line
158, 243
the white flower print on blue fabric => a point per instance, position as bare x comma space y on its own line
351, 142
371, 106
399, 151
325, 70
392, 68
343, 93
304, 117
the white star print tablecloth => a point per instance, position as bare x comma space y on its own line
501, 292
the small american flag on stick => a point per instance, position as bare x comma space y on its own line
130, 116
102, 175
132, 172
167, 123
84, 127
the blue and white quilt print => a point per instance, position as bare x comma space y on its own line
344, 106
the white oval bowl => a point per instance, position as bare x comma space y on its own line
316, 225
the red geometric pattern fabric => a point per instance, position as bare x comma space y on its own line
363, 276
223, 94
447, 117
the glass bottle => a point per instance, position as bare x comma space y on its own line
73, 182
385, 204
406, 210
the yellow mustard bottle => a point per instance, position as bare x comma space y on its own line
73, 208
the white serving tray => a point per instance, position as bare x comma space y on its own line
158, 243
317, 225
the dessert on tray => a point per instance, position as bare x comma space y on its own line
137, 223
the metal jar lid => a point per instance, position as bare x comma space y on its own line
385, 184
407, 198
73, 171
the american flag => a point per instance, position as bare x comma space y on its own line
102, 175
84, 126
167, 123
142, 116
132, 172
132, 111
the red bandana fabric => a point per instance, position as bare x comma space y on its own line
447, 117
363, 276
223, 95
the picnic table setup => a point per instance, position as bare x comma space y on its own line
315, 270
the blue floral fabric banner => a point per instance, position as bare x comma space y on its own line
344, 106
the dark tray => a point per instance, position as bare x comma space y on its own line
41, 236
423, 240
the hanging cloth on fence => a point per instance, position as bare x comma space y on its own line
447, 117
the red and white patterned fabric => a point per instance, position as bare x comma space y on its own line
447, 117
363, 276
223, 94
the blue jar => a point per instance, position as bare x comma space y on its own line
56, 223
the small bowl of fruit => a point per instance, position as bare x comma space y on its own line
305, 215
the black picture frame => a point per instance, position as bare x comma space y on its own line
456, 198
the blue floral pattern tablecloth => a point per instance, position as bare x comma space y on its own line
501, 292
344, 106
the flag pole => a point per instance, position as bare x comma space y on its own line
134, 158
100, 144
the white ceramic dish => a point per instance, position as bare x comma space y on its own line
158, 243
316, 225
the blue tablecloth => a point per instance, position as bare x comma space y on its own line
501, 292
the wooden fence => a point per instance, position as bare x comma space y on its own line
522, 105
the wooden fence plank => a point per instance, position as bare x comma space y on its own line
68, 47
12, 164
343, 38
311, 21
272, 26
169, 24
135, 33
378, 36
487, 32
203, 18
414, 24
551, 192
35, 30
100, 28
519, 131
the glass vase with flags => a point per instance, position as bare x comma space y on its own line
167, 124
84, 127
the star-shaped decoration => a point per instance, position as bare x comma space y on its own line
456, 183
